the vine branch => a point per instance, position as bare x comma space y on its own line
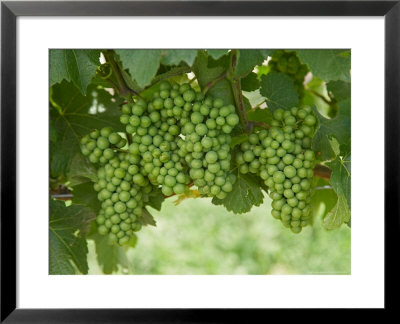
322, 171
237, 91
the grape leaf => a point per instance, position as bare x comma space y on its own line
222, 88
279, 90
84, 194
341, 182
176, 56
109, 256
142, 64
260, 114
81, 170
217, 53
147, 218
156, 199
340, 90
236, 140
341, 177
327, 64
76, 116
248, 59
68, 228
246, 193
254, 97
339, 214
250, 82
76, 65
339, 127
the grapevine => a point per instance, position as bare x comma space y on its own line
239, 127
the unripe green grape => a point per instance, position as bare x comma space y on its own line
227, 187
276, 214
94, 134
289, 171
103, 230
273, 160
279, 177
295, 230
220, 120
189, 95
138, 179
179, 188
310, 120
218, 103
214, 167
286, 209
211, 157
201, 129
248, 156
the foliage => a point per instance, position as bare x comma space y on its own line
87, 95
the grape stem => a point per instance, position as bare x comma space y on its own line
122, 88
237, 92
251, 124
322, 171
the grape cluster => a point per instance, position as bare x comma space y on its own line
122, 191
177, 138
99, 146
287, 62
206, 146
283, 158
182, 137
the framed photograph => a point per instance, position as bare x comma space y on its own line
197, 161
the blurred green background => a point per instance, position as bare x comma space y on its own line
197, 237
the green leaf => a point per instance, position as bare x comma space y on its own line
176, 56
217, 53
339, 127
254, 97
156, 198
109, 256
147, 218
236, 140
260, 114
279, 90
248, 59
340, 90
84, 194
78, 115
246, 193
327, 64
341, 177
68, 228
335, 145
341, 182
250, 82
142, 64
81, 170
221, 89
78, 66
338, 215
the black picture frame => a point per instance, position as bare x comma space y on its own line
10, 10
